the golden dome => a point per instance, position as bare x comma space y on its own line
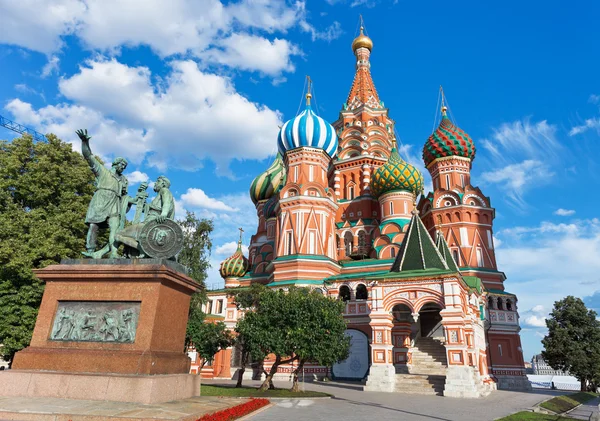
362, 41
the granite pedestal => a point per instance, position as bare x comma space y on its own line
148, 366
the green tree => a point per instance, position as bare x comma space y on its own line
45, 189
195, 254
573, 341
297, 325
246, 299
320, 336
207, 337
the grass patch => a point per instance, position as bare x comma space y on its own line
564, 403
253, 392
533, 416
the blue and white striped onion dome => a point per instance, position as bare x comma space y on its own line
307, 129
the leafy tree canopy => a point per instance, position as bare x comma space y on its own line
196, 252
573, 341
45, 189
207, 336
297, 325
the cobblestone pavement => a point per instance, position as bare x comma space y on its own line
351, 403
585, 411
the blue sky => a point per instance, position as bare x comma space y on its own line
196, 90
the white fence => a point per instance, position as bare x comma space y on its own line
560, 382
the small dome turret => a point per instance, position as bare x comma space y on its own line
395, 175
362, 41
236, 265
448, 140
263, 186
308, 129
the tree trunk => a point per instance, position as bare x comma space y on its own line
245, 356
268, 383
295, 387
583, 385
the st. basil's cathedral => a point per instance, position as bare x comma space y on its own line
337, 212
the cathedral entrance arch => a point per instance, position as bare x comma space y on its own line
430, 321
402, 334
354, 367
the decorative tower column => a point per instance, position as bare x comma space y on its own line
463, 216
366, 132
396, 185
306, 251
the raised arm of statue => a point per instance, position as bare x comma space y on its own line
86, 151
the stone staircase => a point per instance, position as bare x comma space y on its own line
427, 373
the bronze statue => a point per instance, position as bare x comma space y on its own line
106, 208
157, 235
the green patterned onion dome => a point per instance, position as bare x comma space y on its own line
263, 186
235, 266
396, 174
448, 140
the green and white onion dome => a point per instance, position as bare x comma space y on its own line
263, 186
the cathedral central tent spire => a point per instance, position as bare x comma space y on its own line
363, 90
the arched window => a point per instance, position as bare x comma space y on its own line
490, 303
361, 292
499, 303
344, 293
455, 256
362, 239
391, 208
348, 243
393, 252
509, 305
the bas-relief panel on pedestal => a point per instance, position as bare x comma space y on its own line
96, 321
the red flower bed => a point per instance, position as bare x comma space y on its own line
236, 411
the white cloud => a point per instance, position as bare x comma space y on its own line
136, 176
178, 122
516, 178
250, 52
39, 24
196, 198
564, 212
182, 27
545, 263
534, 321
109, 138
332, 32
524, 138
589, 124
229, 248
51, 67
521, 155
594, 99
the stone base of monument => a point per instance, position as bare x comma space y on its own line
101, 387
108, 330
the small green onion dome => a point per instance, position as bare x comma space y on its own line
395, 175
263, 186
448, 140
236, 265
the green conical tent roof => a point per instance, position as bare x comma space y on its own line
444, 250
418, 252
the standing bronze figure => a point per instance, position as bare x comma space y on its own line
106, 208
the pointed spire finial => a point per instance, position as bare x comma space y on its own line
240, 240
308, 90
362, 25
444, 107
